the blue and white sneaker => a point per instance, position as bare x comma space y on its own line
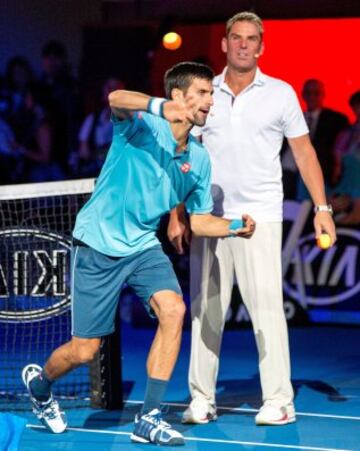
151, 428
48, 412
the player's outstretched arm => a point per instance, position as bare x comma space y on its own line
209, 225
123, 103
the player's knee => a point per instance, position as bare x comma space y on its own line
85, 352
173, 310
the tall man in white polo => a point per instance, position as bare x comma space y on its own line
252, 113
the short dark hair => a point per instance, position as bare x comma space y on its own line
354, 99
181, 75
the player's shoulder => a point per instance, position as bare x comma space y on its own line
150, 123
149, 118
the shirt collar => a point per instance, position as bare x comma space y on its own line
259, 80
190, 142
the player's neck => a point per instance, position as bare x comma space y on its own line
239, 80
181, 134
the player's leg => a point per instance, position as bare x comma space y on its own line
71, 355
95, 292
211, 282
258, 271
64, 359
156, 284
169, 308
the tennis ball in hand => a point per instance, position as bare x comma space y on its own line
324, 241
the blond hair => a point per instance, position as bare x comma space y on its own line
245, 16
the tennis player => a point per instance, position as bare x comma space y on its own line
153, 165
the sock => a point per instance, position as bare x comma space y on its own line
154, 393
40, 387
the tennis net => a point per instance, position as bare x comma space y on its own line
36, 221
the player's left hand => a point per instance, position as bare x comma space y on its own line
323, 223
248, 229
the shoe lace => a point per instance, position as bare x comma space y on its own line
157, 418
51, 412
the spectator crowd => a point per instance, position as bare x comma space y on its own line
49, 130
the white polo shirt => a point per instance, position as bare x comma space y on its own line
244, 135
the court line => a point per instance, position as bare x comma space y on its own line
240, 409
206, 440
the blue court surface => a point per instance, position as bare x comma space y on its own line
326, 377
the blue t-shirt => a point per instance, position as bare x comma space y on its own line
142, 179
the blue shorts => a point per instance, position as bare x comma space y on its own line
97, 280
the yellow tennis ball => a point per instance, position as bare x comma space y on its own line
172, 41
324, 241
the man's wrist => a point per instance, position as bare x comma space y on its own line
234, 225
323, 208
156, 106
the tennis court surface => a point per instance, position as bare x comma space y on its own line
35, 235
326, 377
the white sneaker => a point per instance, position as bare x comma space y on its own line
275, 415
199, 412
48, 412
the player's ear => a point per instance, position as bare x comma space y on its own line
177, 94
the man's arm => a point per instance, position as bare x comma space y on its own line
310, 170
212, 226
123, 103
203, 225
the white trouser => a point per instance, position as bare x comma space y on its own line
257, 265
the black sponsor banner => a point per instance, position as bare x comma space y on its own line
34, 274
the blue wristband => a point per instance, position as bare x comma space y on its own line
234, 225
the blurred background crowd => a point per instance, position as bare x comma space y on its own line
50, 129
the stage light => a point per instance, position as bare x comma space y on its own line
172, 41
